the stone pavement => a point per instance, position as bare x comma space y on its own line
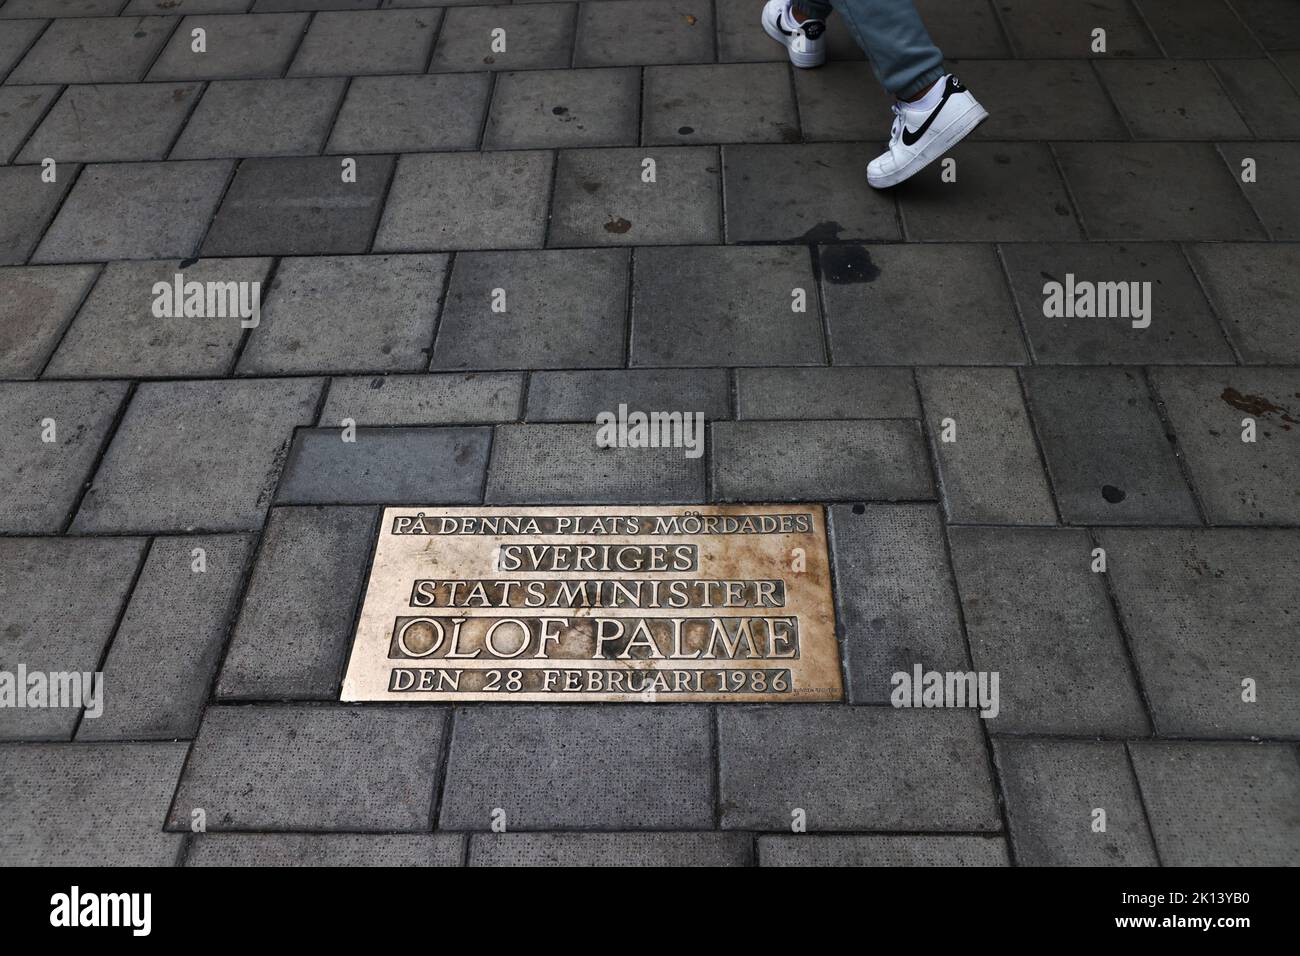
1164, 689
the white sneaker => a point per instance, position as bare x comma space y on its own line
921, 136
805, 42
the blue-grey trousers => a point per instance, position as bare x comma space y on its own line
890, 32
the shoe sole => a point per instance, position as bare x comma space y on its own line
804, 61
952, 134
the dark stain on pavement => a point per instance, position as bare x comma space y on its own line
846, 264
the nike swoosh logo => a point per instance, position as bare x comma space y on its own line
910, 138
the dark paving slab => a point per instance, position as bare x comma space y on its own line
610, 849
36, 305
60, 8
1025, 99
241, 118
1256, 291
273, 6
355, 43
1269, 105
326, 849
537, 38
549, 108
113, 122
21, 108
735, 103
825, 393
411, 114
18, 35
1198, 28
28, 204
740, 36
451, 398
581, 768
1037, 29
582, 395
238, 47
177, 8
622, 32
804, 850
95, 50
1178, 101
1275, 22
1037, 615
964, 29
1274, 198
843, 101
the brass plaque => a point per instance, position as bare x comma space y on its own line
617, 604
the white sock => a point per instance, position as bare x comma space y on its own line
931, 98
788, 20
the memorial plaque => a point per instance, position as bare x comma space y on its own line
619, 604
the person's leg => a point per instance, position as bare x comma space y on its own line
892, 34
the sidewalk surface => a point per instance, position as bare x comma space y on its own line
1169, 159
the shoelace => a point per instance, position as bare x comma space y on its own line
896, 131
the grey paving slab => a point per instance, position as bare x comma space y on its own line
636, 767
313, 768
411, 114
708, 103
1198, 28
932, 304
579, 396
1179, 327
1274, 200
347, 314
804, 193
260, 118
94, 50
199, 455
135, 211
1161, 99
1156, 191
299, 206
1005, 192
113, 122
273, 6
882, 459
853, 768
1206, 610
60, 8
536, 38
52, 434
239, 46
326, 849
1040, 30
826, 393
36, 305
386, 466
542, 108
562, 308
1238, 482
1269, 105
117, 334
621, 32
562, 464
164, 656
1221, 804
964, 29
991, 472
1053, 790
430, 208
28, 204
1024, 99
87, 806
444, 398
1038, 616
177, 8
1107, 452
896, 603
610, 849
358, 42
18, 36
601, 198
1255, 289
21, 108
741, 38
843, 101
296, 620
740, 308
1275, 22
804, 850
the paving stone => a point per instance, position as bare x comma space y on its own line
164, 657
117, 334
769, 198
299, 206
27, 204
1205, 610
112, 123
620, 32
1159, 191
733, 103
1107, 452
60, 8
296, 621
610, 849
600, 198
1039, 617
581, 768
176, 8
430, 208
1273, 197
1198, 28
1164, 100
964, 29
991, 473
541, 108
843, 101
411, 114
1042, 30
1221, 804
1239, 482
1275, 22
842, 392
819, 460
1025, 97
43, 478
197, 455
918, 305
313, 768
562, 309
1005, 192
94, 50
450, 398
1256, 291
739, 309
1053, 788
351, 43
806, 850
326, 849
89, 806
895, 597
853, 768
83, 580
274, 6
16, 38
1261, 94
21, 108
348, 314
238, 47
260, 118
536, 37
134, 211
36, 305
579, 396
740, 38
